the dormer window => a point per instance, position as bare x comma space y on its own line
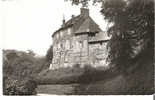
57, 35
88, 30
69, 31
67, 44
59, 46
61, 33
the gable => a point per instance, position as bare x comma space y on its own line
88, 26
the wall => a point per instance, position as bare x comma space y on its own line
70, 49
98, 54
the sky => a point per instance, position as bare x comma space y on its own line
29, 24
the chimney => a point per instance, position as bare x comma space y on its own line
84, 12
73, 16
63, 21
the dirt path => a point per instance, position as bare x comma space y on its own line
56, 89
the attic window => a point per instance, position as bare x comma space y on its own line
88, 30
81, 44
61, 33
57, 35
69, 31
67, 44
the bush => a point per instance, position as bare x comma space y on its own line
75, 74
59, 76
19, 87
18, 67
87, 74
76, 66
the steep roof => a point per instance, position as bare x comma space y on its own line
80, 24
88, 26
72, 21
69, 23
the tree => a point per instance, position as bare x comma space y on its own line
132, 29
18, 67
49, 55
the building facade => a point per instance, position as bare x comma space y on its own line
79, 41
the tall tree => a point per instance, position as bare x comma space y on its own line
132, 31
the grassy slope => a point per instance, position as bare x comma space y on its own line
60, 76
71, 75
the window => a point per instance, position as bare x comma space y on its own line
85, 44
81, 44
88, 30
66, 58
59, 46
77, 46
57, 35
67, 44
61, 33
71, 45
69, 31
100, 46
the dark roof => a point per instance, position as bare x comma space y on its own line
72, 21
88, 26
80, 24
69, 23
101, 36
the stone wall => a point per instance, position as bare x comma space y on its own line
98, 54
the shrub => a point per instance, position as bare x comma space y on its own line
76, 66
19, 87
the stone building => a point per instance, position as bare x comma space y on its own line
79, 41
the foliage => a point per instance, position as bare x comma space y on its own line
74, 74
31, 52
49, 54
59, 76
19, 72
19, 87
21, 64
132, 28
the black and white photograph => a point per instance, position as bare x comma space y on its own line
77, 47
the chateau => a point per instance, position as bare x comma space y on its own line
79, 41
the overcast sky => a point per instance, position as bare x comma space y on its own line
29, 24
